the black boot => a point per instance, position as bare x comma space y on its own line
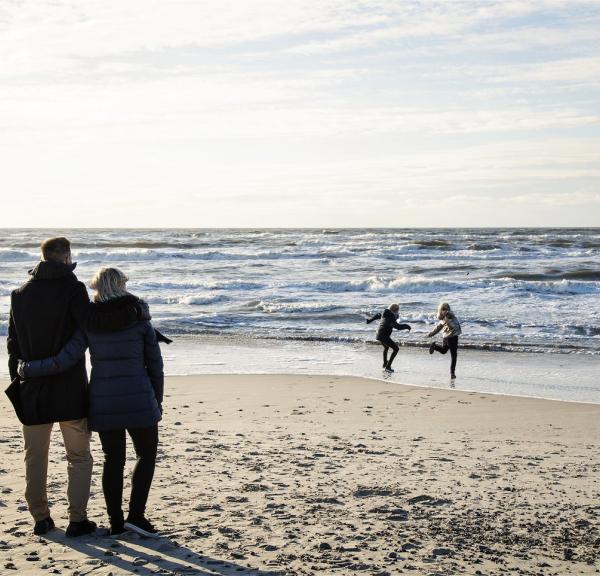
43, 526
82, 528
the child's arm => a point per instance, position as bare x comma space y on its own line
373, 318
436, 329
401, 326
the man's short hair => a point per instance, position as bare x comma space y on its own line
56, 249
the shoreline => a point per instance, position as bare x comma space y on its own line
381, 379
567, 377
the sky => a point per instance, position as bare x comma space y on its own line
299, 113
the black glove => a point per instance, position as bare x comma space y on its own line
161, 337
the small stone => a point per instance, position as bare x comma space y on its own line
442, 552
324, 546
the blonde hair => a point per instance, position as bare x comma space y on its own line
442, 306
109, 283
394, 307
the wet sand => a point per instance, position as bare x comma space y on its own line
336, 475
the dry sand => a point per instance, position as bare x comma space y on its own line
336, 475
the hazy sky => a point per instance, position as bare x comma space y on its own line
299, 113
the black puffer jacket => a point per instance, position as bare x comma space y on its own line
387, 324
44, 314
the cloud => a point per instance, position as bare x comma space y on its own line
316, 102
579, 71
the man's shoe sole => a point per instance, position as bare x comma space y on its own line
141, 531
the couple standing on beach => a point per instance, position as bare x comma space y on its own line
447, 322
52, 323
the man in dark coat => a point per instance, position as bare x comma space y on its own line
44, 314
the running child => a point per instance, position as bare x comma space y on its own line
388, 322
448, 322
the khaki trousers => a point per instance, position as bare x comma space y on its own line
79, 468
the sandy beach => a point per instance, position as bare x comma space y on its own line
278, 474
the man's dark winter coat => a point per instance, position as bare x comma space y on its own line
44, 314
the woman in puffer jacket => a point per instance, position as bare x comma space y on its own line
125, 394
448, 322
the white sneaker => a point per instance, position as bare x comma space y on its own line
142, 527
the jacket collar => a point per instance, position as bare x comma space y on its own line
52, 270
116, 303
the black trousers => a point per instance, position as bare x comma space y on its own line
449, 343
388, 343
145, 442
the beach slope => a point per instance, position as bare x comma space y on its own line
278, 474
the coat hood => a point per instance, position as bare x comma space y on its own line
51, 270
116, 303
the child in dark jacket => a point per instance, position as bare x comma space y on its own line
389, 321
448, 322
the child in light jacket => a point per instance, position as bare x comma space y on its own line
450, 326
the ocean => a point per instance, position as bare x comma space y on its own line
522, 291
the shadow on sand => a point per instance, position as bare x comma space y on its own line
134, 554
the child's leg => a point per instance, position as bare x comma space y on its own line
443, 348
453, 345
385, 351
395, 349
